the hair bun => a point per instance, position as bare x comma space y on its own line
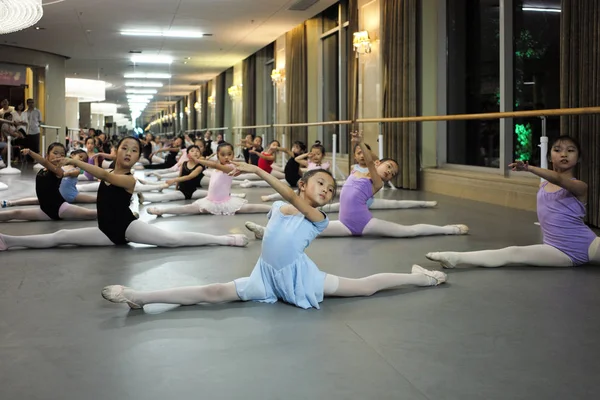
317, 142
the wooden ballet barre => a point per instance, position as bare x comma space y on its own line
313, 124
50, 127
253, 127
498, 115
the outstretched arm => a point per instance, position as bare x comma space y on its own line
357, 138
212, 164
58, 171
127, 182
576, 187
301, 159
191, 176
311, 213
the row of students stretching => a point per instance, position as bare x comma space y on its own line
299, 162
67, 188
218, 200
292, 277
52, 204
293, 171
283, 271
357, 195
117, 225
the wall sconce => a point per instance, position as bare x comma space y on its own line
174, 115
278, 76
197, 106
187, 110
361, 43
235, 92
211, 100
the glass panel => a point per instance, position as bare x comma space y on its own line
329, 18
330, 89
536, 75
473, 81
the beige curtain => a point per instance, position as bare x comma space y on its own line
295, 80
249, 91
580, 87
399, 55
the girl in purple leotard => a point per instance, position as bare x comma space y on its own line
560, 208
355, 217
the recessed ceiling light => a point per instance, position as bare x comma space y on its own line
144, 84
150, 75
188, 58
539, 9
173, 34
39, 28
142, 91
185, 62
151, 59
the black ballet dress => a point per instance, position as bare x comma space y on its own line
292, 172
114, 215
47, 190
189, 187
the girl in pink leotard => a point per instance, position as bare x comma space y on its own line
315, 158
219, 200
355, 217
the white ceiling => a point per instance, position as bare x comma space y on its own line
87, 31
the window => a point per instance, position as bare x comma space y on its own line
334, 76
330, 18
536, 63
473, 81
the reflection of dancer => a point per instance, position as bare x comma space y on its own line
116, 223
355, 217
47, 188
283, 271
219, 200
561, 209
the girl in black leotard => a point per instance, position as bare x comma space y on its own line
171, 158
190, 175
116, 223
47, 183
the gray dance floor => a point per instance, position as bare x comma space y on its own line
510, 333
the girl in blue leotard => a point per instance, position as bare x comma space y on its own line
283, 271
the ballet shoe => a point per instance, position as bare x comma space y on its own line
140, 198
430, 204
239, 240
154, 211
115, 294
258, 230
240, 195
442, 259
265, 198
462, 229
438, 276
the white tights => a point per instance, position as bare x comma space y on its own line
172, 196
225, 292
194, 209
139, 187
67, 212
379, 227
383, 204
137, 232
539, 255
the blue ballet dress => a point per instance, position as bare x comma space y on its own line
283, 270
